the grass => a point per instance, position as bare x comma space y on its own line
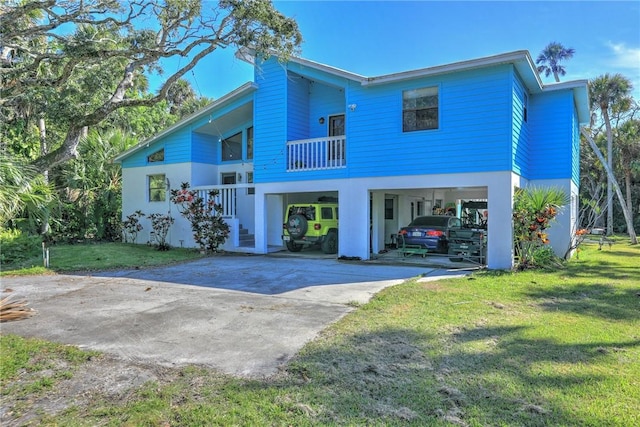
99, 256
534, 348
29, 367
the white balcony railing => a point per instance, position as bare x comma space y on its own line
226, 197
316, 154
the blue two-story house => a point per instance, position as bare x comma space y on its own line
387, 148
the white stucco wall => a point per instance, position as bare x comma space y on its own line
562, 229
135, 197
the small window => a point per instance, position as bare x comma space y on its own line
420, 109
250, 143
525, 103
232, 148
250, 190
388, 209
327, 213
228, 178
158, 156
157, 188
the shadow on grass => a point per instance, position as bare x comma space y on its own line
597, 300
482, 376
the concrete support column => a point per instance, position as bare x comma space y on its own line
353, 232
404, 211
378, 237
275, 219
500, 224
261, 215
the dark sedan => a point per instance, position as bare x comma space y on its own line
430, 232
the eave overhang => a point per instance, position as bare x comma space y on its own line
230, 97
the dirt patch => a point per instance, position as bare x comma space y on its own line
102, 378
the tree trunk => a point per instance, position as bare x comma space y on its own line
628, 184
42, 127
607, 123
627, 214
68, 150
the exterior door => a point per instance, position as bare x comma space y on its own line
335, 148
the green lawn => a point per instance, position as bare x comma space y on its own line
534, 348
99, 256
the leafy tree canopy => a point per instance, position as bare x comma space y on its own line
78, 62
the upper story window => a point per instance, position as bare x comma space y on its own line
232, 148
158, 156
250, 143
420, 109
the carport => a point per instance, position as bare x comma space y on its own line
372, 210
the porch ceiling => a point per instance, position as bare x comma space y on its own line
220, 126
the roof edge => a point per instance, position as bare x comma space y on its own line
509, 57
241, 90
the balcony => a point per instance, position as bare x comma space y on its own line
317, 154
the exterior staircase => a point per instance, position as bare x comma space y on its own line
246, 240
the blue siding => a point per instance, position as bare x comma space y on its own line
575, 137
177, 149
298, 108
552, 141
270, 118
474, 131
520, 151
324, 101
205, 149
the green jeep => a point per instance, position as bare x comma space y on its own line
311, 224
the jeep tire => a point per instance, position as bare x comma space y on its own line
293, 246
330, 243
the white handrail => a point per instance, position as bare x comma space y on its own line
316, 154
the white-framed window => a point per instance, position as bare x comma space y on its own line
157, 185
232, 148
250, 143
228, 178
250, 190
420, 109
158, 156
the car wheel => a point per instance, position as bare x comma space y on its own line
330, 243
297, 226
293, 246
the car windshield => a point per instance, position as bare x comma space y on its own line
431, 221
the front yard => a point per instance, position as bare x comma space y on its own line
532, 348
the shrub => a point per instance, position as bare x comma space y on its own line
534, 209
16, 246
161, 224
209, 229
131, 227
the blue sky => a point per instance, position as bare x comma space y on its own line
379, 37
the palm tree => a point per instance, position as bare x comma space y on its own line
628, 151
23, 194
607, 92
549, 60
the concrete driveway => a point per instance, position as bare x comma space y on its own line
243, 315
